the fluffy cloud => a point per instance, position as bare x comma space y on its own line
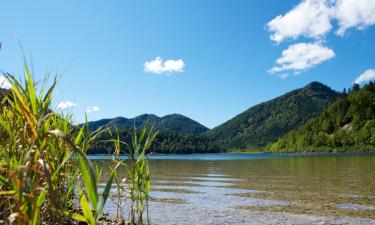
4, 83
65, 105
313, 18
158, 66
91, 109
366, 76
354, 13
302, 56
310, 18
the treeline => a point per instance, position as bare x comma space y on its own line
165, 143
347, 125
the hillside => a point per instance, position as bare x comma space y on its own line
173, 123
266, 122
165, 142
346, 125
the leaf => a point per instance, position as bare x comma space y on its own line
78, 137
3, 180
85, 207
31, 89
39, 203
75, 216
7, 192
62, 164
105, 195
89, 179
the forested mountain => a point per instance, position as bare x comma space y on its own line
173, 123
347, 124
165, 142
177, 134
266, 122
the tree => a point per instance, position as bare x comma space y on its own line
355, 87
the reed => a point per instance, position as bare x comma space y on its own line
45, 174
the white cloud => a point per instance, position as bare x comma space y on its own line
313, 18
366, 76
310, 18
284, 75
354, 13
4, 83
302, 56
158, 66
91, 109
65, 105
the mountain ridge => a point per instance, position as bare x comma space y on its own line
265, 122
169, 123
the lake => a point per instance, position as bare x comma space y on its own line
260, 188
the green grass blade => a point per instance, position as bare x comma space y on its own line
85, 207
31, 89
105, 195
79, 136
39, 204
89, 179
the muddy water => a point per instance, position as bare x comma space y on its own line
261, 189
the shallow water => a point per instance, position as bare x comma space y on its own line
261, 189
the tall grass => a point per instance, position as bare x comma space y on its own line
139, 174
45, 174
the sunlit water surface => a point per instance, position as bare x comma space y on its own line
259, 189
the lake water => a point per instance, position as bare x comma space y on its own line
260, 188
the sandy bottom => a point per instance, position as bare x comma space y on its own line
189, 214
212, 203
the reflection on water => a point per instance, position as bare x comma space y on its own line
285, 190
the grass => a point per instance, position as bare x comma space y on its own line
45, 174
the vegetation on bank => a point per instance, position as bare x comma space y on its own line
164, 143
45, 174
348, 124
266, 122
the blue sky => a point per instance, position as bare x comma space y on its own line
224, 56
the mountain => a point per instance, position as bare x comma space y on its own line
165, 142
266, 122
346, 125
173, 123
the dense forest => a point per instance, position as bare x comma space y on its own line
266, 122
165, 142
173, 123
347, 125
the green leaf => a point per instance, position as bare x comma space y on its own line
7, 193
105, 194
78, 137
85, 207
39, 203
31, 89
89, 179
75, 216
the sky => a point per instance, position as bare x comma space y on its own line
208, 60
